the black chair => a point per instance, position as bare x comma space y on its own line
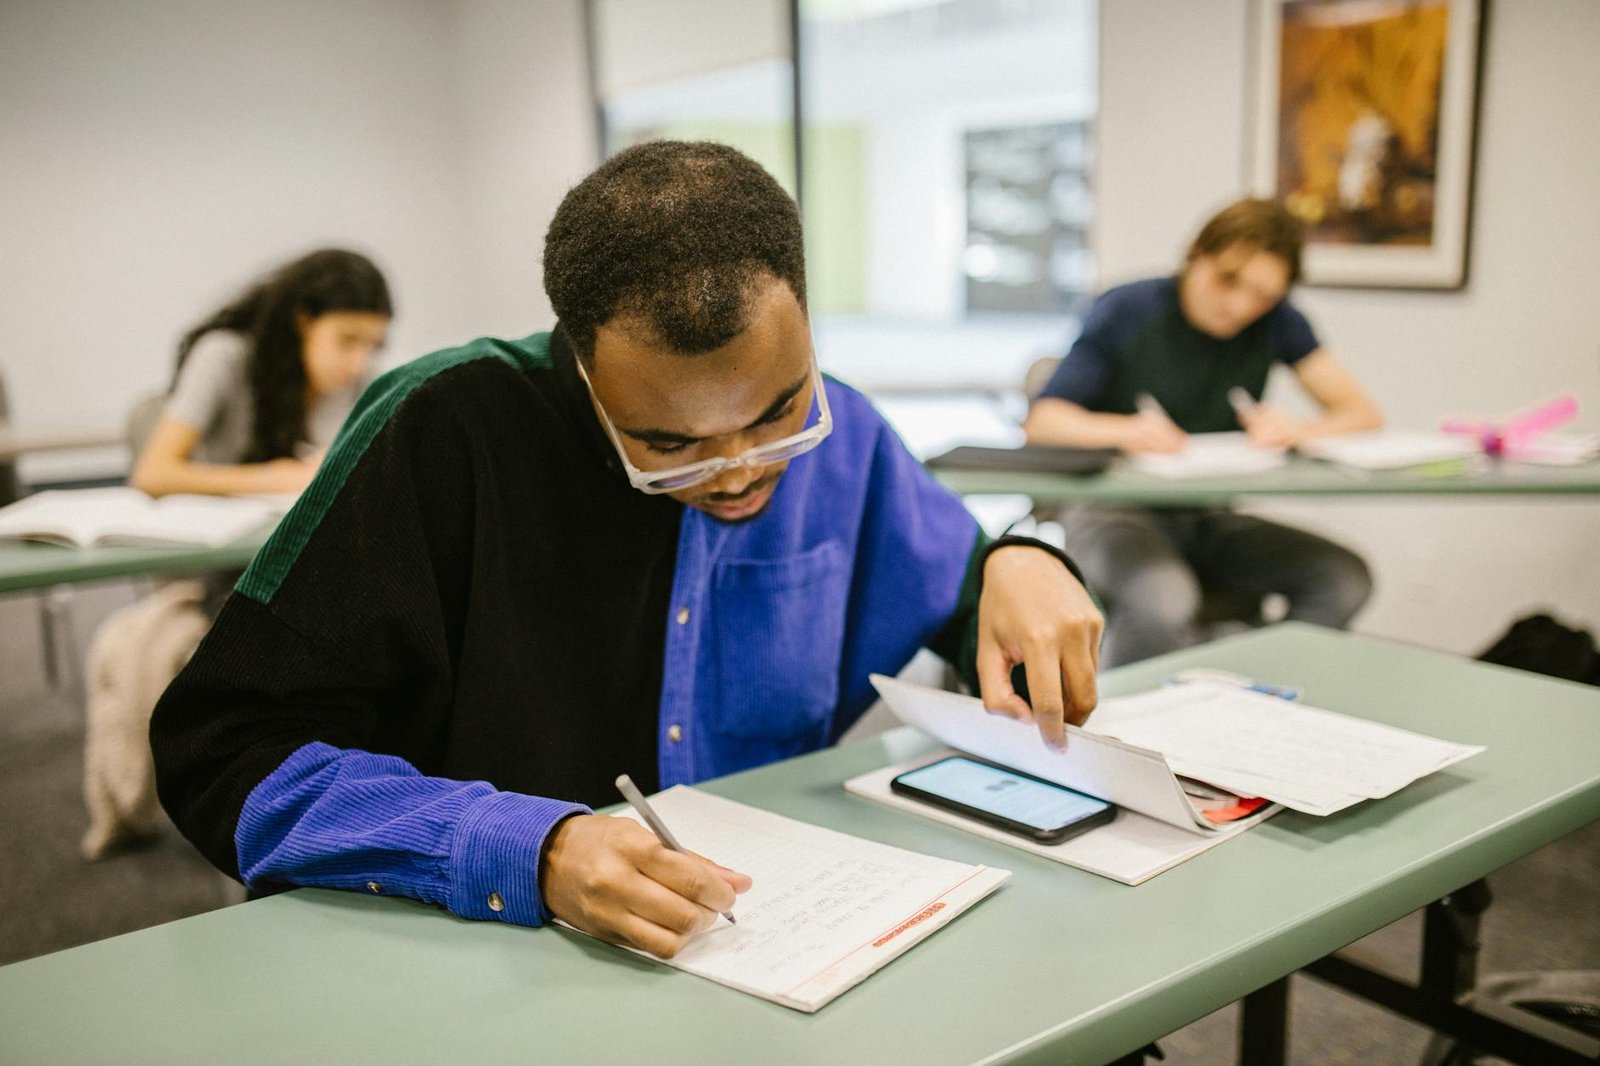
10, 490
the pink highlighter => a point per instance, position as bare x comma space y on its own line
1521, 428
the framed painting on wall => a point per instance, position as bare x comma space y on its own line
1365, 126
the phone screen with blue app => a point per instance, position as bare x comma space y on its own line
1023, 804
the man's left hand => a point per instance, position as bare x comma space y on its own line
1033, 613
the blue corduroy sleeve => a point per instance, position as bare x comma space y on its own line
337, 818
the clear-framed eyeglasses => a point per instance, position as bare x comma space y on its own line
698, 473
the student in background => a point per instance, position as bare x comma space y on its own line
263, 385
1188, 342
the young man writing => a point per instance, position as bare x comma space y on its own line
1191, 343
624, 546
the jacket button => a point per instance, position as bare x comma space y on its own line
674, 733
683, 615
496, 904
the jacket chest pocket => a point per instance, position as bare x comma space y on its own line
778, 630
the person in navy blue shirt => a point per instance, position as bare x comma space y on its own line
652, 540
1191, 342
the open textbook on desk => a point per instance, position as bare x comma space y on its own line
1135, 749
85, 518
826, 910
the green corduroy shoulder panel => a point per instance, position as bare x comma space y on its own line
371, 413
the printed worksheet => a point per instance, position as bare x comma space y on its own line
826, 909
1312, 760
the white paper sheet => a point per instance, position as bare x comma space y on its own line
1131, 849
1313, 760
1211, 455
826, 909
1127, 775
1390, 449
1557, 449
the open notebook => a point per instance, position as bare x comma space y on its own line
86, 517
826, 909
1134, 748
1211, 455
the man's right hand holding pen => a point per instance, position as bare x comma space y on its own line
615, 880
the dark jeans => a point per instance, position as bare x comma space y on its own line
1152, 569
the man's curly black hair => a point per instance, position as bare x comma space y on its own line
674, 234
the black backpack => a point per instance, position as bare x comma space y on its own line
1541, 644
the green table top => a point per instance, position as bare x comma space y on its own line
1299, 477
29, 565
1058, 966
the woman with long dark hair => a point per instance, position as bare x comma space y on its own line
261, 389
263, 384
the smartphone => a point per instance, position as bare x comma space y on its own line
1043, 812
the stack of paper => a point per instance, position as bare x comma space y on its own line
826, 910
1132, 849
1156, 826
1134, 747
1307, 759
1389, 449
1211, 455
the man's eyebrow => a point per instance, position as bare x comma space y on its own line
652, 435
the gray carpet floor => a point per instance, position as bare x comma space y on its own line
1546, 914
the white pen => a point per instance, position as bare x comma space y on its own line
1151, 407
1243, 404
636, 800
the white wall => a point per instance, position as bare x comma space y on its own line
646, 42
1174, 79
158, 155
527, 132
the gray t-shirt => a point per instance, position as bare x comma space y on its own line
213, 395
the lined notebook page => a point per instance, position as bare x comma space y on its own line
826, 909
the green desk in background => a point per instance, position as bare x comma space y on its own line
1059, 966
25, 565
1298, 477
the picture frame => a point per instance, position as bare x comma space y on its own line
1365, 126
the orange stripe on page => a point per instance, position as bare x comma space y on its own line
915, 919
937, 901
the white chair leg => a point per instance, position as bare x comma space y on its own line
58, 638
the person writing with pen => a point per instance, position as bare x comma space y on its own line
1163, 358
653, 541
